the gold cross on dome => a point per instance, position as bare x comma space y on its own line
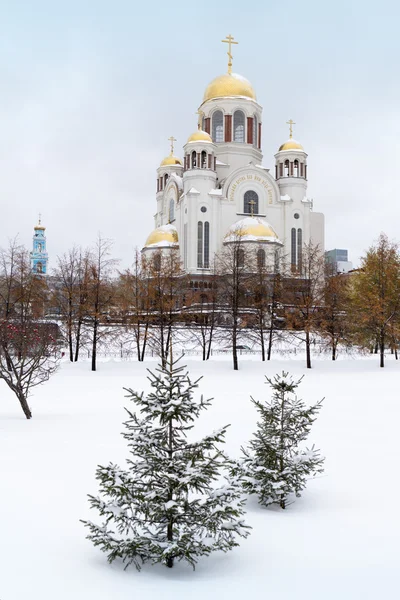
252, 204
229, 40
172, 140
40, 218
290, 123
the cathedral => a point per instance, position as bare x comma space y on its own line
221, 192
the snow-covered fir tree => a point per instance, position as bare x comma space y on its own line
274, 466
176, 499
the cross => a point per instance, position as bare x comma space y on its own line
291, 123
172, 140
200, 119
40, 218
252, 204
229, 40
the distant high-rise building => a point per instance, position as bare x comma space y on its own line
339, 258
39, 256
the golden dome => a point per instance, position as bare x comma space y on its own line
291, 144
228, 85
166, 235
251, 229
170, 160
199, 136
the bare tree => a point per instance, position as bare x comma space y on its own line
334, 322
70, 295
235, 288
133, 297
100, 290
167, 286
28, 347
305, 311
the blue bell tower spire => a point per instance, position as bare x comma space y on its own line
39, 256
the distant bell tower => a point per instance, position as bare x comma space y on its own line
39, 256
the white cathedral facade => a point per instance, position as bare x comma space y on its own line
220, 192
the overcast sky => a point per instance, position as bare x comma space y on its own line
91, 90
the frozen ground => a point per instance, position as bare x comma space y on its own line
340, 540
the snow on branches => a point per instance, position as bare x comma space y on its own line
175, 500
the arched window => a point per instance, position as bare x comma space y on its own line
238, 126
157, 261
296, 168
203, 298
194, 159
251, 202
260, 258
240, 257
206, 245
165, 179
39, 267
39, 246
218, 126
299, 249
255, 127
293, 248
199, 245
171, 215
286, 168
203, 159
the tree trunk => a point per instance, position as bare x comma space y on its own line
308, 350
94, 344
234, 348
262, 344
382, 351
24, 405
78, 340
333, 350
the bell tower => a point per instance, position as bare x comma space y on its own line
39, 256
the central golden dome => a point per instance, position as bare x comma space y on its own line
229, 85
251, 229
291, 144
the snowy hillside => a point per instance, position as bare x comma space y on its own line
338, 541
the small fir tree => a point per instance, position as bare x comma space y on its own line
274, 466
164, 506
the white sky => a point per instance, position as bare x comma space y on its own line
90, 92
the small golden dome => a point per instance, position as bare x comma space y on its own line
229, 85
170, 160
251, 229
166, 235
199, 136
291, 144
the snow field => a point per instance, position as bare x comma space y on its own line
338, 540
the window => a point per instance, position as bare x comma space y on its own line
240, 257
203, 159
157, 262
194, 159
250, 202
299, 249
203, 209
286, 168
39, 267
165, 179
296, 168
296, 216
293, 247
255, 125
238, 126
218, 126
39, 246
206, 245
260, 258
171, 215
199, 245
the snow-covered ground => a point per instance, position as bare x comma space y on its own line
340, 540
